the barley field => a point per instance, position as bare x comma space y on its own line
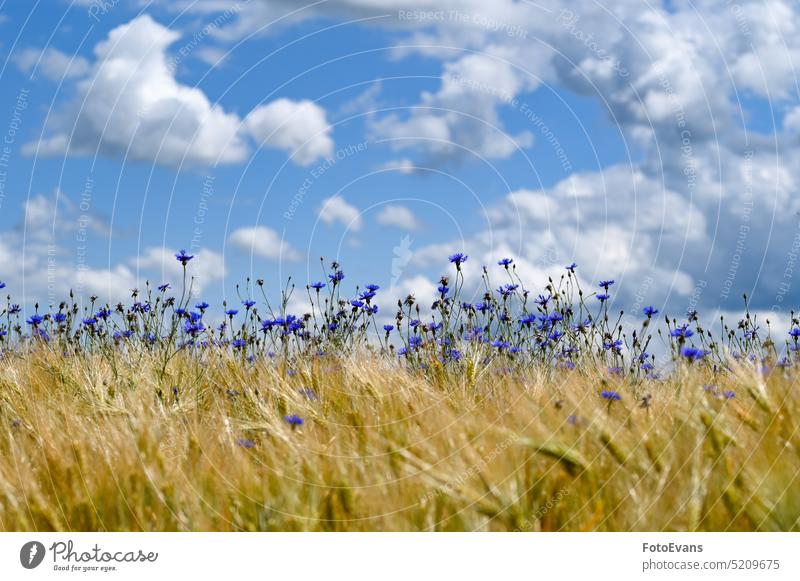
141, 418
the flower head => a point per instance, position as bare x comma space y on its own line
293, 420
693, 353
458, 259
35, 320
183, 257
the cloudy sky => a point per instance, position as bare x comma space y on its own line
656, 143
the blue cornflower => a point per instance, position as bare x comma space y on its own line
507, 290
682, 331
2, 285
458, 259
232, 312
59, 317
90, 322
245, 443
729, 394
611, 396
443, 290
388, 328
605, 284
103, 313
138, 307
366, 295
357, 304
693, 353
293, 420
571, 267
239, 344
202, 306
505, 262
500, 344
183, 258
180, 311
35, 320
193, 328
795, 332
542, 300
615, 346
372, 287
317, 285
14, 309
163, 287
249, 303
650, 311
603, 297
336, 277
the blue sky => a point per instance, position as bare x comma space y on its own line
654, 145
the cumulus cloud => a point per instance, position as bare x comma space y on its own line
398, 216
615, 224
336, 209
52, 63
462, 118
264, 242
298, 127
130, 104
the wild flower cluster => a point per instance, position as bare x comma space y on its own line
562, 327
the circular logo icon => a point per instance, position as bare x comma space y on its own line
31, 554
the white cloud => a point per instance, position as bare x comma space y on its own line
461, 119
264, 242
403, 166
336, 209
130, 103
52, 63
399, 216
298, 127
